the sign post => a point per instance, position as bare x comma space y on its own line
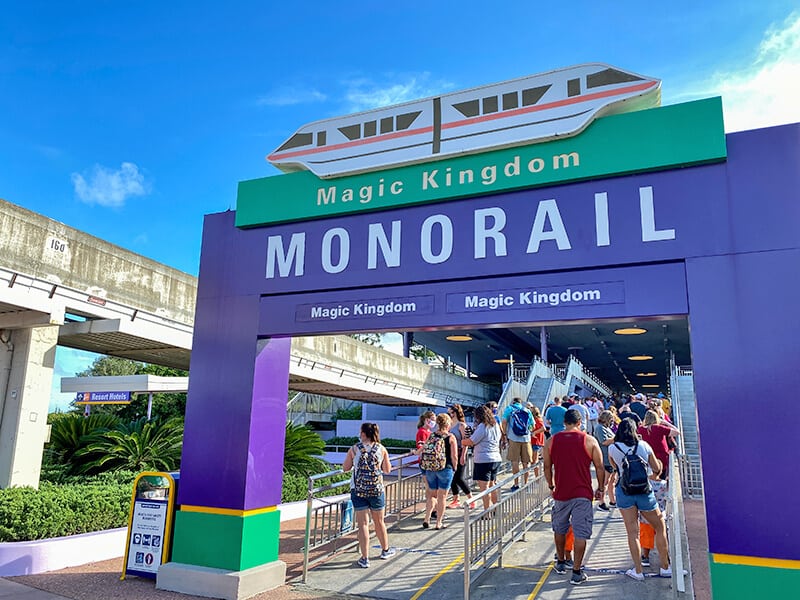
147, 544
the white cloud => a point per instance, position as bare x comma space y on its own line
766, 92
110, 188
363, 94
290, 96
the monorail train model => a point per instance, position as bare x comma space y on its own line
537, 108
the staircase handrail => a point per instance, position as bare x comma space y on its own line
590, 378
676, 402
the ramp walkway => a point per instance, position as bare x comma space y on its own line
507, 550
429, 564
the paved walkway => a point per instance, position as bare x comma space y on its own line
428, 565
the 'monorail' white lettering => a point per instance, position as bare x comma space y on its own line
381, 244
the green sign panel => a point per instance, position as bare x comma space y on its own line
655, 139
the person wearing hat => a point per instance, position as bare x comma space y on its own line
639, 405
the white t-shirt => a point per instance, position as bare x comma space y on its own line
616, 454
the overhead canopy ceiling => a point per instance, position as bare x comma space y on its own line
595, 344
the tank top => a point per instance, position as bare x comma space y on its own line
456, 431
571, 464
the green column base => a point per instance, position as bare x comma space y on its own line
746, 582
224, 541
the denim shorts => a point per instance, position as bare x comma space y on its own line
371, 503
643, 502
439, 480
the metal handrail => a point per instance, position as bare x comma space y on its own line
676, 503
445, 399
488, 532
330, 513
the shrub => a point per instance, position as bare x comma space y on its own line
59, 510
387, 442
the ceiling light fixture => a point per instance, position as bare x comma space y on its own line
640, 357
630, 331
459, 338
502, 361
646, 374
651, 385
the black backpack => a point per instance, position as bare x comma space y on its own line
633, 477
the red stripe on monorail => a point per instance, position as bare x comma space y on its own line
538, 107
499, 115
369, 140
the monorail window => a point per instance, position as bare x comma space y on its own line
510, 100
351, 132
471, 108
404, 121
573, 87
490, 105
297, 140
609, 77
370, 128
387, 125
322, 138
532, 95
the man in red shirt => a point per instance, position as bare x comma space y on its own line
571, 453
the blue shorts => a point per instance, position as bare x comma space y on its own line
439, 480
372, 503
485, 471
643, 502
535, 448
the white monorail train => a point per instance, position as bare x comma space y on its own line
530, 109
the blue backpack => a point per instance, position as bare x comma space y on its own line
520, 422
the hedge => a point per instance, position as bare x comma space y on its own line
86, 504
387, 442
57, 510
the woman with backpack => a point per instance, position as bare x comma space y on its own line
635, 462
438, 460
371, 461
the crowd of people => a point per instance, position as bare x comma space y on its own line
626, 440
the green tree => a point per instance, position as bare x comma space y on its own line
137, 446
373, 339
302, 450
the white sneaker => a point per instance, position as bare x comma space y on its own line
668, 572
634, 575
388, 553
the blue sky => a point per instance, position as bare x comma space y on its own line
131, 121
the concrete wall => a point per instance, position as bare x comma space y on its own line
41, 247
384, 364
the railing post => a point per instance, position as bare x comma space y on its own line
467, 544
309, 510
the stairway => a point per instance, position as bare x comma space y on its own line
688, 416
538, 394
